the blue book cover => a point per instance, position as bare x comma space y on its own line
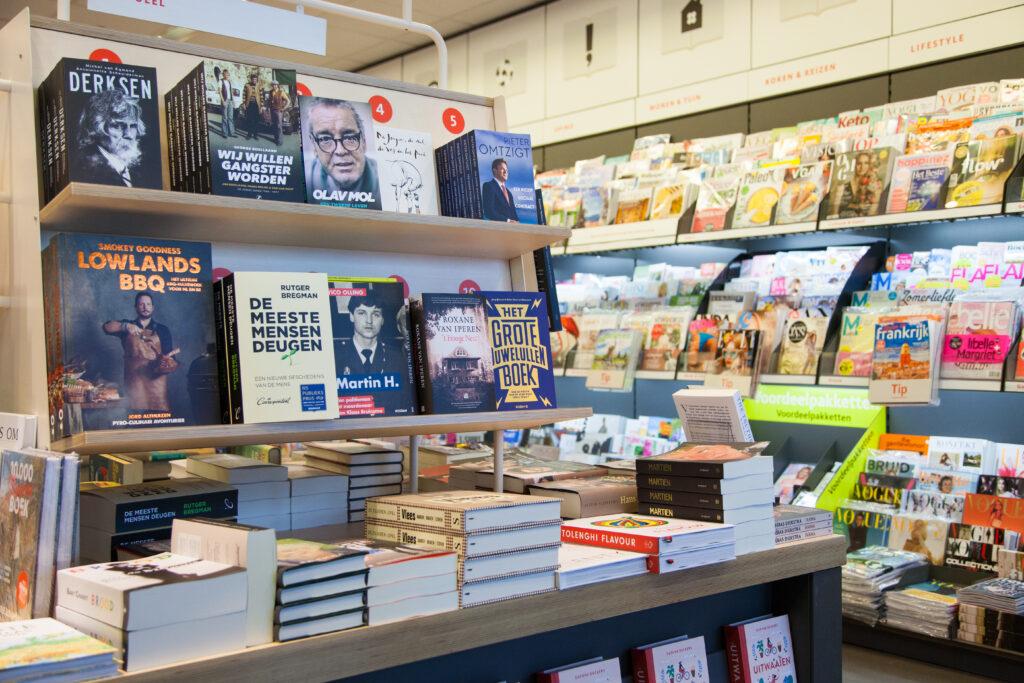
862, 527
129, 333
926, 186
504, 166
517, 328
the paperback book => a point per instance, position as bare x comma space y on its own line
99, 122
665, 338
682, 658
372, 350
759, 650
903, 366
979, 335
856, 342
408, 181
339, 154
130, 337
517, 329
232, 129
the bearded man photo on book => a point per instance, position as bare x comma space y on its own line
110, 131
148, 356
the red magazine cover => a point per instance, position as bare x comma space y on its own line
994, 511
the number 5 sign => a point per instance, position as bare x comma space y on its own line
453, 120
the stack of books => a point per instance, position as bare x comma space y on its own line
580, 565
318, 497
869, 572
141, 606
797, 523
527, 471
321, 588
929, 608
263, 490
723, 483
36, 649
507, 543
991, 627
38, 528
372, 470
604, 495
404, 581
137, 514
670, 544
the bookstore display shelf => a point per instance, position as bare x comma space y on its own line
974, 658
1014, 207
163, 438
841, 381
84, 207
343, 654
655, 233
746, 233
788, 379
910, 218
656, 374
1015, 386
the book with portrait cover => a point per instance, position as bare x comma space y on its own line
863, 524
129, 333
233, 129
918, 535
451, 354
408, 182
487, 174
860, 181
99, 123
372, 350
339, 153
517, 329
998, 512
275, 341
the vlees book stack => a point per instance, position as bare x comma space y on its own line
263, 490
669, 544
321, 588
38, 528
35, 649
507, 543
992, 613
371, 470
724, 483
143, 606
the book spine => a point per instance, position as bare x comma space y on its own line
141, 515
735, 661
473, 177
643, 665
62, 152
235, 397
545, 270
607, 500
675, 512
45, 140
53, 324
419, 356
203, 160
223, 377
462, 199
442, 201
197, 127
428, 539
449, 179
171, 129
671, 468
97, 601
615, 540
387, 511
688, 484
698, 500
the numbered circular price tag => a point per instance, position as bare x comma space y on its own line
453, 120
380, 109
104, 55
468, 287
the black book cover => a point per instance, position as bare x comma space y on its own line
676, 512
972, 546
372, 349
151, 505
129, 333
707, 461
699, 500
108, 125
687, 484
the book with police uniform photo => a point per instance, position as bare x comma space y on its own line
233, 129
339, 153
99, 123
129, 333
372, 354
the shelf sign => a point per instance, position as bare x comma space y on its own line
235, 18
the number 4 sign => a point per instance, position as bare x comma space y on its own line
380, 109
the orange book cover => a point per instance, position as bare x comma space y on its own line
994, 511
903, 442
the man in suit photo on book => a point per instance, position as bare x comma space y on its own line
341, 170
110, 130
498, 203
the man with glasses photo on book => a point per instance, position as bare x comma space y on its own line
339, 169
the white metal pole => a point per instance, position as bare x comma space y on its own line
394, 22
414, 463
64, 10
499, 460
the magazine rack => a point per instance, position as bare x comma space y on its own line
431, 253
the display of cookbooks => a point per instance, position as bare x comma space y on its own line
802, 341
980, 169
757, 197
715, 200
859, 181
666, 337
736, 363
615, 360
803, 188
919, 181
904, 366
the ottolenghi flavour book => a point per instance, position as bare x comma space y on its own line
129, 331
517, 327
276, 347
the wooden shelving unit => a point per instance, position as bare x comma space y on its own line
163, 438
360, 651
83, 207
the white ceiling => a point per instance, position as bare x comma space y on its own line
350, 45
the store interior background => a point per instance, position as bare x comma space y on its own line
615, 104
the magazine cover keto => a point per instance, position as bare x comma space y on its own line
372, 358
339, 153
130, 334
